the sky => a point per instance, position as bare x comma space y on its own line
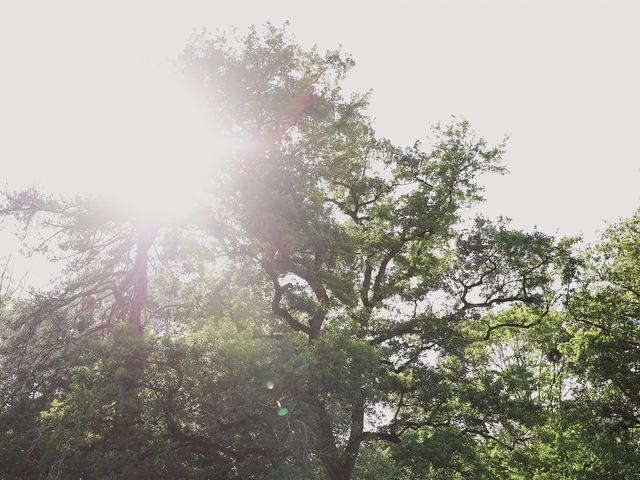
82, 93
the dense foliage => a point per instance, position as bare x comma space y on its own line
329, 314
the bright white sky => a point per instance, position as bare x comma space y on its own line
81, 92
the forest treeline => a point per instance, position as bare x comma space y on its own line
330, 312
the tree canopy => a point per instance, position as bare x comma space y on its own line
331, 312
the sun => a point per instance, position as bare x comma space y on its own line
164, 150
129, 130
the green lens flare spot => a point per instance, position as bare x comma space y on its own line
283, 411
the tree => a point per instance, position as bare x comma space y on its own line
568, 385
105, 283
605, 351
355, 236
331, 303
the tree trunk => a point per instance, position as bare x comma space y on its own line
340, 464
144, 240
131, 349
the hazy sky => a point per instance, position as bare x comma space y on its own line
560, 77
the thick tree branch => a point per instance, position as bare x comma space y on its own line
278, 292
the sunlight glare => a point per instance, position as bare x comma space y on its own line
168, 149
